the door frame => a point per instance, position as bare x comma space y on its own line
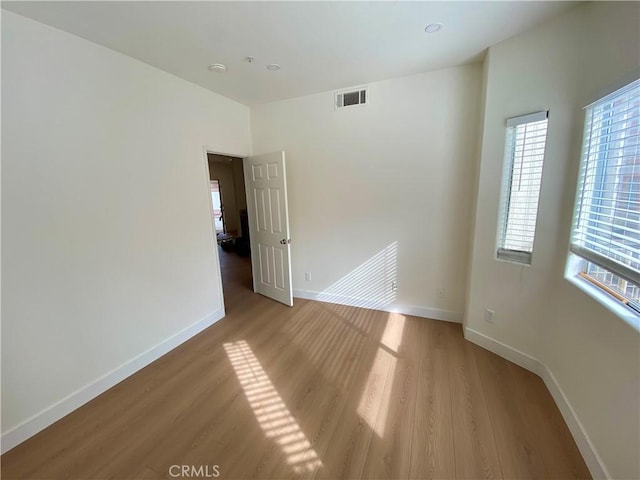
206, 180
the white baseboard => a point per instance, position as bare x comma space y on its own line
55, 412
417, 311
588, 451
592, 459
502, 349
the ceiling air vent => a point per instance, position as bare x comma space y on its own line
351, 98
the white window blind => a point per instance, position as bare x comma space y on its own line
521, 181
606, 226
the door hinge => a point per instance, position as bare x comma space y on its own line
285, 241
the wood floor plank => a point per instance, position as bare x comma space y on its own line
519, 456
315, 391
475, 446
389, 454
544, 422
432, 447
269, 408
346, 454
217, 419
145, 473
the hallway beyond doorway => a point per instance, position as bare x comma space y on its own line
236, 279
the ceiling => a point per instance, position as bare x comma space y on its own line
320, 45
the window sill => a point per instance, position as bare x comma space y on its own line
514, 256
610, 303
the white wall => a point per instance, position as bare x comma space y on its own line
380, 191
108, 247
561, 65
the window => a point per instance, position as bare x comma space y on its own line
521, 180
606, 225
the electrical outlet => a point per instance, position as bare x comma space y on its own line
489, 315
394, 286
442, 292
307, 276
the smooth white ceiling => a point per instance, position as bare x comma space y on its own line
320, 45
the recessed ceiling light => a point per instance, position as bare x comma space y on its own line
433, 27
218, 68
274, 67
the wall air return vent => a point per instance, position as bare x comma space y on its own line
351, 98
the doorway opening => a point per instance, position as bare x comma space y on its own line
252, 223
229, 209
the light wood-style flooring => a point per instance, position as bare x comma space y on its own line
313, 391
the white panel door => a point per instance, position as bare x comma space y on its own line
266, 183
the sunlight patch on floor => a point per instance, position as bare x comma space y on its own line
393, 331
270, 410
376, 395
374, 401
